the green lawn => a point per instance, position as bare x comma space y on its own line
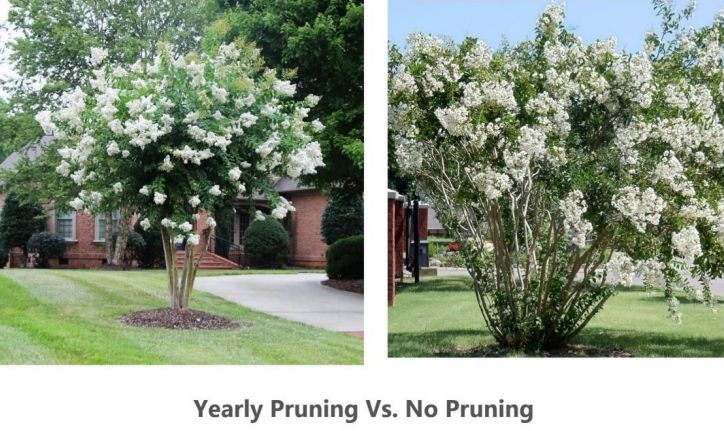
440, 317
71, 317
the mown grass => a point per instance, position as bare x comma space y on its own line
72, 317
440, 317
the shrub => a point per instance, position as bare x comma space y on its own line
345, 258
46, 246
4, 254
343, 217
150, 253
135, 245
266, 243
576, 171
21, 217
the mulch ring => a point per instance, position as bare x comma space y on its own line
570, 351
177, 319
356, 286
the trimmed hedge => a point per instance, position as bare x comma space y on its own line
47, 246
343, 217
266, 243
345, 259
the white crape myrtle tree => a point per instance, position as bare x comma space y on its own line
175, 136
566, 170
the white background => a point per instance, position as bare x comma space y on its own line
567, 394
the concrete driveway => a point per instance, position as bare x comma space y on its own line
298, 297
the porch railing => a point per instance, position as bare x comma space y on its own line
229, 246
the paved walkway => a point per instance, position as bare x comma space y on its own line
298, 297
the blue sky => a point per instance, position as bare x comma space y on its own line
490, 20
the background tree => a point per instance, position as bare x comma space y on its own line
54, 37
17, 128
565, 170
20, 218
322, 41
343, 217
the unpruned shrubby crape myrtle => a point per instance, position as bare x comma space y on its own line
566, 170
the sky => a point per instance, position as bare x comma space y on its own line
5, 69
490, 20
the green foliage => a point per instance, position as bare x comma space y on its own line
21, 217
345, 258
148, 254
16, 129
57, 35
266, 243
322, 42
46, 246
4, 254
343, 217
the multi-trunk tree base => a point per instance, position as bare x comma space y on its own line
180, 282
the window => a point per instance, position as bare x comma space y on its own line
101, 225
243, 224
65, 225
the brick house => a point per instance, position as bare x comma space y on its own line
85, 233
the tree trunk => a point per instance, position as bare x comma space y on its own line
122, 238
179, 290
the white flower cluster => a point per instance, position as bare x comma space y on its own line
577, 229
492, 183
402, 82
624, 270
531, 147
282, 208
453, 119
496, 94
551, 18
671, 172
479, 56
305, 161
552, 114
188, 154
687, 244
640, 208
285, 88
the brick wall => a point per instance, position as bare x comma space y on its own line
391, 249
395, 241
85, 251
307, 245
422, 216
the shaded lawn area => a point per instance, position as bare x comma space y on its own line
440, 317
71, 317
